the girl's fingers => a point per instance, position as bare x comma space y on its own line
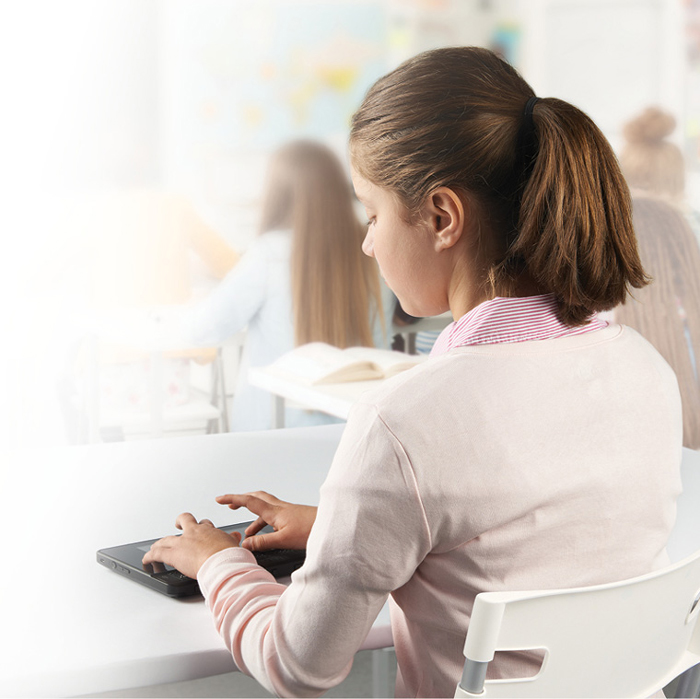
264, 542
185, 520
257, 505
262, 495
157, 550
236, 500
261, 508
255, 527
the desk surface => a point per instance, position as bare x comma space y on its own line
333, 398
73, 627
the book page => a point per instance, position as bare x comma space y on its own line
389, 362
318, 362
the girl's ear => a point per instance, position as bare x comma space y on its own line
446, 217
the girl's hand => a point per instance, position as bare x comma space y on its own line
188, 551
292, 523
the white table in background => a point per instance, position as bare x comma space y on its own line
70, 626
332, 399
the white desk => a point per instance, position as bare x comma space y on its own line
70, 626
334, 399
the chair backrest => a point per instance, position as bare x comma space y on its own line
622, 639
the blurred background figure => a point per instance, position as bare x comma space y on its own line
303, 279
653, 165
667, 311
144, 249
152, 249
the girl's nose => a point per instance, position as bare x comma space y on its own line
368, 244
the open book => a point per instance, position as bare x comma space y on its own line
319, 363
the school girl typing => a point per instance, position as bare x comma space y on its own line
303, 279
538, 447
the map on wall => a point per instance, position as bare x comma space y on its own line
243, 77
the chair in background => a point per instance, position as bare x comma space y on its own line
628, 638
149, 256
200, 410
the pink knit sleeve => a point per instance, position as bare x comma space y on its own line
369, 537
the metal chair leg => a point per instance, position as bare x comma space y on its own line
689, 683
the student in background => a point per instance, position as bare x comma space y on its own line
538, 447
143, 249
652, 165
667, 312
303, 279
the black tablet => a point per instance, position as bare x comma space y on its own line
126, 560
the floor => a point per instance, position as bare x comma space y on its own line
359, 683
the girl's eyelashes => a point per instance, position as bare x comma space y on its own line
371, 221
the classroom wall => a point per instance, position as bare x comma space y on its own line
194, 94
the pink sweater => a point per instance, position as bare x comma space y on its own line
540, 464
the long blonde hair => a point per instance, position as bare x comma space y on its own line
335, 287
667, 312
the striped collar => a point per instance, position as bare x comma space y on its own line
509, 320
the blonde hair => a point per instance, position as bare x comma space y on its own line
553, 205
667, 312
335, 287
649, 162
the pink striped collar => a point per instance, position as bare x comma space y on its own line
509, 320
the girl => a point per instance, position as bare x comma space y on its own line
538, 447
304, 279
667, 312
654, 166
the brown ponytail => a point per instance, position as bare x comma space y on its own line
575, 229
562, 219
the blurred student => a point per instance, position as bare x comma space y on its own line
142, 246
143, 249
653, 165
303, 279
667, 312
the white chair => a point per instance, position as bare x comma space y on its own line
623, 639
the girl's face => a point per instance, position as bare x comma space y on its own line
405, 252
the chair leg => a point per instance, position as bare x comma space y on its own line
222, 390
218, 391
689, 683
381, 665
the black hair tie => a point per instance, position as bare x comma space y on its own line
527, 139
